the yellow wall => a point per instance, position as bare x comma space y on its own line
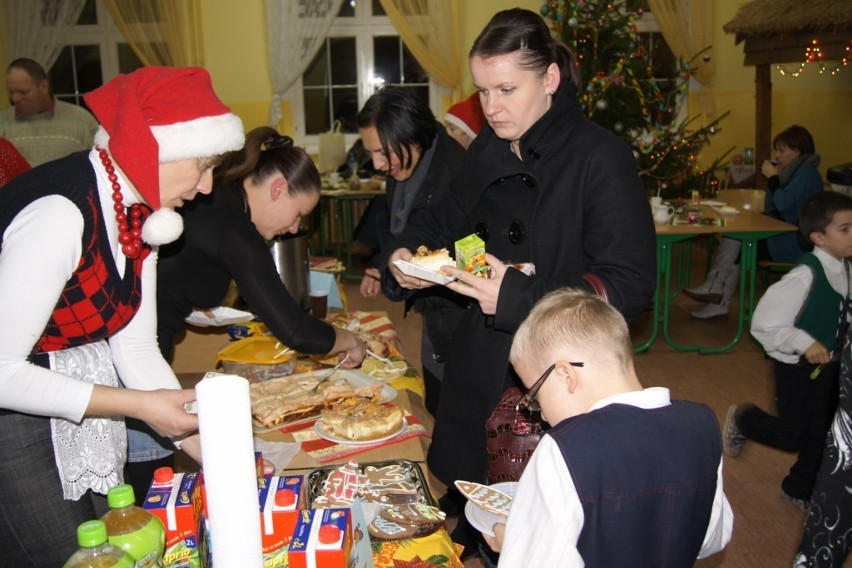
235, 46
820, 103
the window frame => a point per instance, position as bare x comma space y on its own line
364, 27
106, 35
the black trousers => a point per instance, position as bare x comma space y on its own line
805, 407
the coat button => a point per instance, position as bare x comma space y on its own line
528, 180
533, 154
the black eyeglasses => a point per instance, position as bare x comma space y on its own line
516, 232
529, 402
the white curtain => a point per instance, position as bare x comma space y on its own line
431, 29
39, 29
296, 29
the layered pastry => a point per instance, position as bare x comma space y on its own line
359, 419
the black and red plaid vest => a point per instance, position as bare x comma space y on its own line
96, 302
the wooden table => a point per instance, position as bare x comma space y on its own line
337, 220
747, 227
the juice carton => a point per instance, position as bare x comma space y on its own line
470, 255
280, 499
322, 539
175, 499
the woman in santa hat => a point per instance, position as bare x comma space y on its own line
465, 119
78, 254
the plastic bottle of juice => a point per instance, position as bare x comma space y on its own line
134, 529
95, 551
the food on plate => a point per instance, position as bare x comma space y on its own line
728, 210
379, 345
359, 419
399, 492
384, 371
485, 497
344, 320
432, 259
280, 401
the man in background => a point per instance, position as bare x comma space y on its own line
39, 126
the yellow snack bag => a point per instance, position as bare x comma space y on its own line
470, 255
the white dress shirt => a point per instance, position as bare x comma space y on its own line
774, 321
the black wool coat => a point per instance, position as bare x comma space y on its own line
577, 198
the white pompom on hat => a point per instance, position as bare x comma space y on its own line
467, 115
157, 115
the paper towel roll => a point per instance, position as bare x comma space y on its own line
230, 478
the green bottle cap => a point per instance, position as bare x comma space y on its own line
91, 533
120, 496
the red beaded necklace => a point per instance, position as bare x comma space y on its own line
129, 234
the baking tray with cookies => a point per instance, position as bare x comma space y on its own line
396, 490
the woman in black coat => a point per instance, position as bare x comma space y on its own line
541, 185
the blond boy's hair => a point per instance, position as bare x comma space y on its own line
570, 318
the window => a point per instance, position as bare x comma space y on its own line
96, 53
361, 54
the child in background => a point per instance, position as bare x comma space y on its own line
625, 477
800, 321
465, 119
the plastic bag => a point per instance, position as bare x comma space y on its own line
332, 149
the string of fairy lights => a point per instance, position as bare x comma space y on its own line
814, 55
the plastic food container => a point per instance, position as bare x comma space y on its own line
257, 358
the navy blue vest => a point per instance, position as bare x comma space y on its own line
646, 480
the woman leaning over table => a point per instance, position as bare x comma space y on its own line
77, 293
542, 185
262, 191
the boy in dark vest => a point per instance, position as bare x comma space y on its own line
801, 322
625, 476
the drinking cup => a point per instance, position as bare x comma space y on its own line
334, 179
656, 201
319, 303
662, 213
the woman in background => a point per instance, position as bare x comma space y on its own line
464, 120
793, 177
420, 159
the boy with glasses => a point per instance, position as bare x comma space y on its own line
625, 476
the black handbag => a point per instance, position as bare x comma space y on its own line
511, 438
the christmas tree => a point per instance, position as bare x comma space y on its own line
624, 90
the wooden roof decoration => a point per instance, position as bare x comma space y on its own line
779, 31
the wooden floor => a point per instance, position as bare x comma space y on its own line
766, 529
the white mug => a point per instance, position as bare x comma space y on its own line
656, 200
662, 213
334, 179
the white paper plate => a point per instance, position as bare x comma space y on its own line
712, 203
418, 272
482, 520
221, 316
319, 428
355, 377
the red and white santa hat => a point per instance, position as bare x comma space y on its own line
467, 115
157, 115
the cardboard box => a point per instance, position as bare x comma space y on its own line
322, 539
175, 499
470, 255
280, 500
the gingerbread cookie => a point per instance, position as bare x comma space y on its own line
415, 513
485, 497
385, 529
384, 475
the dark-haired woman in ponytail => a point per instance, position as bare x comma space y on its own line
261, 191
